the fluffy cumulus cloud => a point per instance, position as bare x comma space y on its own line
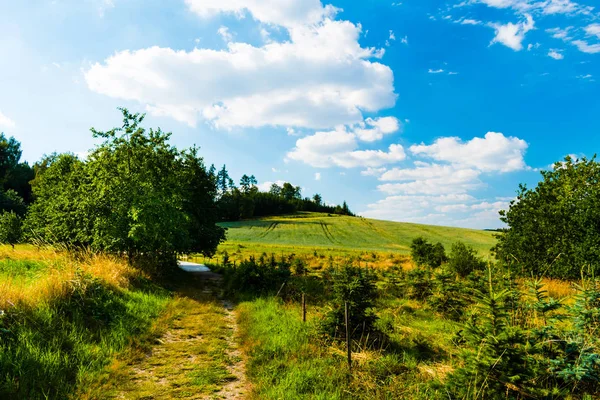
494, 152
319, 78
374, 129
440, 191
512, 35
287, 13
340, 148
6, 122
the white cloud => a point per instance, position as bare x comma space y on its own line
593, 30
6, 122
404, 40
494, 152
467, 21
392, 35
560, 33
374, 129
339, 148
556, 54
317, 176
223, 31
585, 47
266, 186
321, 77
512, 35
373, 171
287, 13
588, 76
432, 179
547, 7
435, 71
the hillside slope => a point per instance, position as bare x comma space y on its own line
340, 233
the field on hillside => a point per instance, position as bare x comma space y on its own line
315, 234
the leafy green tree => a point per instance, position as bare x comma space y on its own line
135, 194
318, 200
10, 228
275, 190
11, 201
290, 192
14, 176
424, 253
10, 154
553, 229
463, 259
63, 211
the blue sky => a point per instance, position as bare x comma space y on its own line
417, 110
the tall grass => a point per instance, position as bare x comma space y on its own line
65, 318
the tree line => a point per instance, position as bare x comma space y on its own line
247, 201
135, 194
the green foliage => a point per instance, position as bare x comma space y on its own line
136, 194
424, 253
553, 229
252, 278
495, 360
10, 228
48, 351
248, 202
355, 286
464, 260
11, 201
447, 295
14, 176
420, 284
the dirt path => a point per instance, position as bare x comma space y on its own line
235, 389
196, 357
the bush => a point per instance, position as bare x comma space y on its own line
424, 253
256, 278
463, 259
10, 228
356, 286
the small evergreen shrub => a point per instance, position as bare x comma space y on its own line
463, 259
356, 286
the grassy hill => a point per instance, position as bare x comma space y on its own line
335, 235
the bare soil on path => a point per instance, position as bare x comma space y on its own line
195, 357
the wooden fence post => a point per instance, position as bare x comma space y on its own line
303, 307
348, 337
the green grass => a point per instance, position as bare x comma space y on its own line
307, 233
189, 359
288, 359
51, 349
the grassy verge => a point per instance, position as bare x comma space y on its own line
64, 320
187, 358
288, 359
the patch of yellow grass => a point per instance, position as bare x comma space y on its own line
558, 288
60, 267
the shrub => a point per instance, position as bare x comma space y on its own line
256, 278
463, 259
356, 286
424, 253
10, 228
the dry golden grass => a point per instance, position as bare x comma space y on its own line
59, 267
558, 289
